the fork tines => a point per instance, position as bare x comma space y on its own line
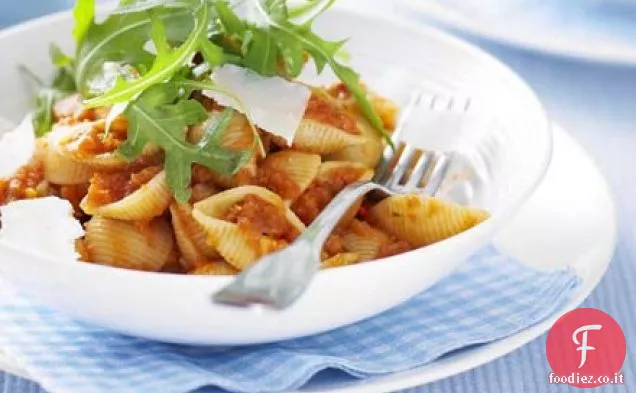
415, 170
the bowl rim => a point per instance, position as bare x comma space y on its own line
496, 220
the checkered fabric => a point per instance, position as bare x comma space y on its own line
488, 298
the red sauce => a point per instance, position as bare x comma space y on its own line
208, 103
259, 216
277, 181
23, 184
334, 245
201, 174
393, 248
91, 139
74, 194
108, 187
386, 109
309, 205
82, 250
321, 109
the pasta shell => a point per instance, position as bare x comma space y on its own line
106, 157
331, 168
289, 172
149, 201
216, 268
424, 220
240, 248
238, 134
364, 240
386, 109
191, 237
344, 259
128, 245
367, 153
319, 138
59, 168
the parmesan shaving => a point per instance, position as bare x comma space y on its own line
45, 225
16, 146
273, 103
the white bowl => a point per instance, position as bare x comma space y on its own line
510, 156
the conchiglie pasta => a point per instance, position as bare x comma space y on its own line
339, 260
215, 268
237, 136
288, 173
191, 237
237, 242
423, 220
386, 109
367, 153
129, 245
88, 143
59, 168
230, 221
364, 240
326, 127
147, 202
319, 138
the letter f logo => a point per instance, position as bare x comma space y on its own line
583, 344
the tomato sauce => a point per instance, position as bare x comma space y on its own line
259, 216
277, 181
91, 138
309, 205
23, 184
321, 109
108, 187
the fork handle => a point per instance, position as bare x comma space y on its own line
278, 279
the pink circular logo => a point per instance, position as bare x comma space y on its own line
586, 348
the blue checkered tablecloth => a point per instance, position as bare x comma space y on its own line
489, 297
595, 103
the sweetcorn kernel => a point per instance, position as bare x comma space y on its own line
30, 193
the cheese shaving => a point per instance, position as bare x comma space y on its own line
45, 225
274, 104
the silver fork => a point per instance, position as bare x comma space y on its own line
278, 279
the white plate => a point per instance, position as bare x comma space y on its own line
574, 202
594, 30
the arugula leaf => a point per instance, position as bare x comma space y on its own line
276, 9
232, 24
84, 14
322, 52
261, 55
191, 85
62, 86
59, 58
165, 65
262, 48
160, 116
120, 40
213, 54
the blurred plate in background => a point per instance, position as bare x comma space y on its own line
597, 30
14, 11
